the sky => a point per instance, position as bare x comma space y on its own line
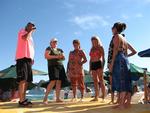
73, 19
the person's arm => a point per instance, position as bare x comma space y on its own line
90, 66
84, 58
103, 56
68, 67
29, 29
61, 56
67, 73
133, 51
25, 37
68, 63
48, 56
27, 34
115, 51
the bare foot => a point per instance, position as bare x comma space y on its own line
59, 100
127, 105
122, 107
116, 102
115, 107
14, 100
73, 99
94, 100
118, 107
45, 102
81, 100
102, 101
111, 102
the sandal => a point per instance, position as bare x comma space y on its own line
29, 102
23, 104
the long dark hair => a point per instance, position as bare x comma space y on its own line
119, 26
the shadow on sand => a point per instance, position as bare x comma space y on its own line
69, 107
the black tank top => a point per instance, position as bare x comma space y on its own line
57, 51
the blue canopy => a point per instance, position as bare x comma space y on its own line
145, 53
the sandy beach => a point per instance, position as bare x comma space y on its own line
75, 107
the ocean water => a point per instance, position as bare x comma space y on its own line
39, 97
38, 93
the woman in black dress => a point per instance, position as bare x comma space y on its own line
56, 69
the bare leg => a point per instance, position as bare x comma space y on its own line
26, 86
101, 79
112, 92
117, 101
96, 86
122, 100
58, 87
74, 88
49, 88
82, 93
128, 100
22, 88
118, 98
81, 87
112, 98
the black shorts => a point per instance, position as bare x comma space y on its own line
24, 70
96, 65
56, 72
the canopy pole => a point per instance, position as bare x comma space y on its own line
145, 86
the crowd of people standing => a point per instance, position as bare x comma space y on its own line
118, 66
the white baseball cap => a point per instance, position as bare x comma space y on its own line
54, 40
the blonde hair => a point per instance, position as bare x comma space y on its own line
98, 40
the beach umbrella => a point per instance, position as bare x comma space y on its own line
8, 78
31, 86
10, 72
135, 71
44, 84
7, 84
145, 53
89, 80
